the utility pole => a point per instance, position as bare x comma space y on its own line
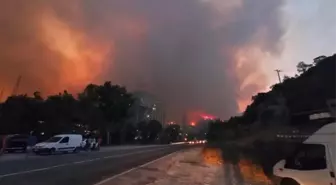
16, 87
278, 72
1, 93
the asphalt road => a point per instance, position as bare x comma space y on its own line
85, 168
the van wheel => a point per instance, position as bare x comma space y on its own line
287, 181
52, 151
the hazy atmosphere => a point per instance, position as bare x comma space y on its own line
206, 56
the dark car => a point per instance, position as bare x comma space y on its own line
17, 143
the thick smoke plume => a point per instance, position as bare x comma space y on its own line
194, 55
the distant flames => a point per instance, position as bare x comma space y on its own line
208, 117
195, 116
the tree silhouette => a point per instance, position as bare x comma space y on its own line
286, 78
98, 107
303, 67
319, 59
171, 134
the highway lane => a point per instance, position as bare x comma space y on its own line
85, 168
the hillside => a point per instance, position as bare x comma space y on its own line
306, 92
287, 104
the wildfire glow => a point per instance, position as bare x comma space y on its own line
82, 60
199, 115
208, 117
251, 78
171, 123
58, 45
193, 123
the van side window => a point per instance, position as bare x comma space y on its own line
65, 140
308, 157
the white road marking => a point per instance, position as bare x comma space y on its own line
77, 162
132, 169
178, 143
107, 149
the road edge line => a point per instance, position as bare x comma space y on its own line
134, 168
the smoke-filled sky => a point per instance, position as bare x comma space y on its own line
205, 56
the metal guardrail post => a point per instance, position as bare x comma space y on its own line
3, 148
332, 107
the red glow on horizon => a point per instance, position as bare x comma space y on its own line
208, 117
199, 115
171, 123
193, 123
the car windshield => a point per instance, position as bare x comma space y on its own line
53, 140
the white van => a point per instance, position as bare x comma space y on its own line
59, 143
313, 163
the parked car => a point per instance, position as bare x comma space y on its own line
59, 143
16, 143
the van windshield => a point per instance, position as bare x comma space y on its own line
308, 157
53, 140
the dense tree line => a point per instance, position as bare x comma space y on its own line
97, 109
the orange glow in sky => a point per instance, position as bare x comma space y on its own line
67, 46
251, 76
81, 59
